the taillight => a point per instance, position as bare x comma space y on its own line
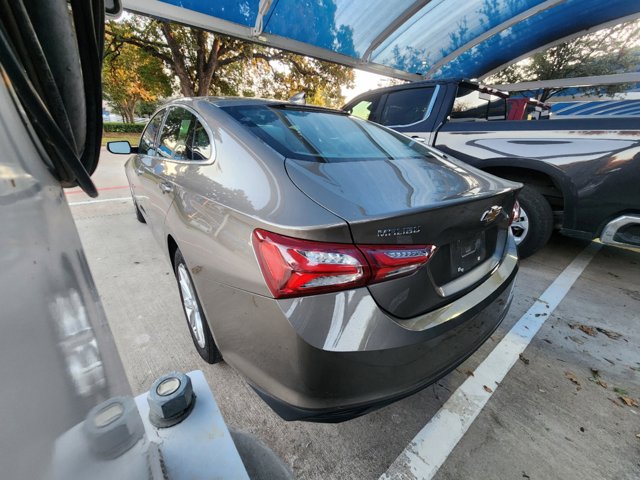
515, 212
293, 267
395, 261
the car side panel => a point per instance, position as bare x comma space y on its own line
218, 205
596, 162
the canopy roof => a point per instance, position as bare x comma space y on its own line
402, 38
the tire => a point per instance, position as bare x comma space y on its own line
535, 224
138, 213
196, 320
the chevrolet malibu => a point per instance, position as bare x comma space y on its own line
337, 264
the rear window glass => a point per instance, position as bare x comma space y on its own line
308, 134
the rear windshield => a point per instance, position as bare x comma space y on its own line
306, 134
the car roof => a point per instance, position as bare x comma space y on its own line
222, 102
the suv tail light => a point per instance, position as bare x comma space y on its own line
293, 267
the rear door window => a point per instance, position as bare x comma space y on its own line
406, 107
175, 133
148, 139
471, 104
198, 143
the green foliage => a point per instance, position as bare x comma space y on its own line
607, 51
210, 64
130, 76
117, 127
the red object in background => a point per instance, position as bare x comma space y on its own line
525, 108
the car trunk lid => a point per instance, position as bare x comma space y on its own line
417, 201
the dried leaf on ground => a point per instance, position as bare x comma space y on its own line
468, 373
596, 378
487, 389
587, 329
599, 381
614, 402
572, 376
628, 401
524, 359
609, 333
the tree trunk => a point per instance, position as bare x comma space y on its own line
179, 66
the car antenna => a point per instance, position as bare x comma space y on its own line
299, 98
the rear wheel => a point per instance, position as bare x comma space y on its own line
198, 326
533, 227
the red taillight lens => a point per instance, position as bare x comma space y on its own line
293, 267
395, 261
515, 212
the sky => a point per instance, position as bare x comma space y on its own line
364, 81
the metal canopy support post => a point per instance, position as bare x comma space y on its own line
572, 82
399, 21
165, 11
490, 33
263, 8
568, 38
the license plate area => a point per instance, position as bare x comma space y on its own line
467, 253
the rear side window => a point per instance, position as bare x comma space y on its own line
324, 136
183, 137
199, 143
405, 107
471, 104
365, 107
148, 138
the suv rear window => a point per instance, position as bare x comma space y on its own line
307, 134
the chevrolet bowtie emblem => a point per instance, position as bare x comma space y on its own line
491, 214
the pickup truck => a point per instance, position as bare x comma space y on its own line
580, 176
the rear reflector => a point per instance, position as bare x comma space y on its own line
293, 267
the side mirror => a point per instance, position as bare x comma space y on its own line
121, 147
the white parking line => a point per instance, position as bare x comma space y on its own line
104, 200
426, 453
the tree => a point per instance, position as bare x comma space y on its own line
607, 51
131, 76
206, 63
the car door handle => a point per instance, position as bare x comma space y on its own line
139, 171
418, 139
166, 187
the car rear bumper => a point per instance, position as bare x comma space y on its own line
336, 356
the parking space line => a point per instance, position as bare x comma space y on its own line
104, 200
102, 189
431, 447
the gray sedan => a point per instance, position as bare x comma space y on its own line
337, 264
